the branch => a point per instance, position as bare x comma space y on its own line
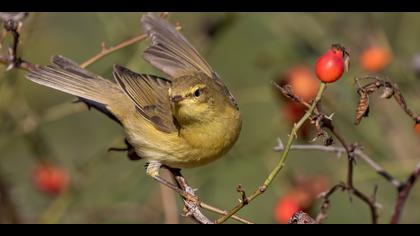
260, 190
403, 194
12, 23
322, 122
325, 206
191, 207
108, 50
371, 202
339, 150
388, 90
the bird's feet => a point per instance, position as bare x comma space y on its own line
153, 168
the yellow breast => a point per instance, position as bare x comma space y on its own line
209, 141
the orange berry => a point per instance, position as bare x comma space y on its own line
293, 111
375, 59
303, 82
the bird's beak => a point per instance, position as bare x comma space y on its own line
177, 98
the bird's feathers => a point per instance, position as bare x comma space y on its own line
150, 95
170, 51
65, 75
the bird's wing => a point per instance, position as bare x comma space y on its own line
150, 95
171, 52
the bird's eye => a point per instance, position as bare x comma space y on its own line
197, 93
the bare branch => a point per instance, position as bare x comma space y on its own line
322, 122
357, 152
108, 50
192, 207
325, 206
403, 194
389, 90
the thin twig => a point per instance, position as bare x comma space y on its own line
108, 50
322, 122
349, 185
403, 193
339, 150
182, 183
325, 206
389, 90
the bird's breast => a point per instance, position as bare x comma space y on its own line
211, 140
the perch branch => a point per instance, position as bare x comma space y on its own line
193, 211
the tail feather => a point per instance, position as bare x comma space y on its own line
66, 76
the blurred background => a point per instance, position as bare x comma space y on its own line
54, 162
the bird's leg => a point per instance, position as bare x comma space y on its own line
152, 170
131, 152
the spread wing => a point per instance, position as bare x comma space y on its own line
171, 52
150, 95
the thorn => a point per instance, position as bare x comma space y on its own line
280, 145
103, 46
294, 131
330, 116
10, 67
350, 196
314, 139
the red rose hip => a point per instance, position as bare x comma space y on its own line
285, 208
417, 128
50, 179
330, 66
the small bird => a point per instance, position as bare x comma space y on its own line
185, 120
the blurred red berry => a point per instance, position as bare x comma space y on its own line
285, 208
303, 82
417, 128
50, 179
293, 111
375, 58
330, 66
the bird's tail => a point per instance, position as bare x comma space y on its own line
67, 76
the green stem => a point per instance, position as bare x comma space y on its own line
281, 162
